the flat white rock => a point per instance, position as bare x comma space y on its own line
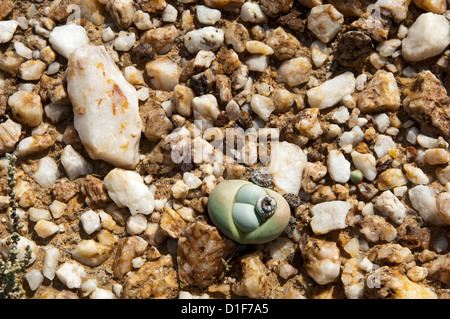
332, 91
328, 216
65, 39
286, 166
127, 189
106, 107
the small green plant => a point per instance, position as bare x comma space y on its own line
11, 269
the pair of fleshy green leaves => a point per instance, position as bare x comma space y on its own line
248, 213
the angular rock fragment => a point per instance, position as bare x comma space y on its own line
295, 71
158, 125
122, 12
129, 248
10, 133
91, 253
164, 74
381, 94
386, 281
325, 22
106, 110
254, 282
95, 191
274, 8
286, 166
427, 102
353, 49
329, 216
155, 279
200, 251
33, 144
65, 39
375, 228
283, 43
161, 39
321, 259
237, 36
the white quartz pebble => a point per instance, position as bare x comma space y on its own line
366, 163
47, 172
262, 105
329, 216
124, 41
57, 208
37, 214
7, 30
34, 278
71, 274
45, 228
390, 206
90, 221
101, 293
257, 62
295, 71
338, 166
207, 38
319, 53
23, 50
56, 112
107, 34
252, 12
88, 286
286, 166
383, 144
423, 199
127, 189
65, 39
74, 164
191, 180
170, 13
332, 91
106, 107
136, 224
427, 37
51, 261
205, 108
207, 15
164, 74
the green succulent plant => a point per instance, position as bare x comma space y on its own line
248, 213
11, 269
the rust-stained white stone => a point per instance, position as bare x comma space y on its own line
106, 109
